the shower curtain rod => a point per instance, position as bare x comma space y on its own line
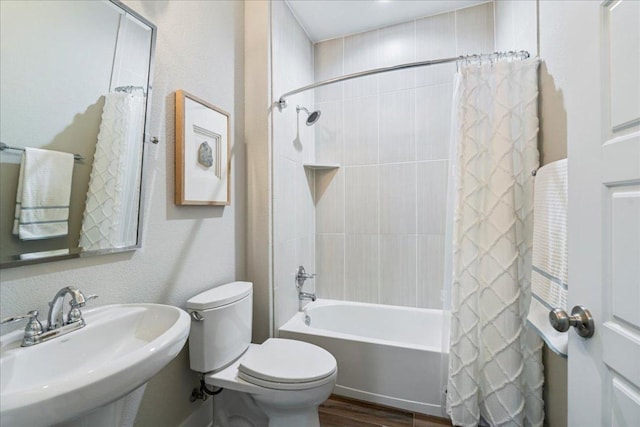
282, 102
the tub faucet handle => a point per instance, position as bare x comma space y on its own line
302, 275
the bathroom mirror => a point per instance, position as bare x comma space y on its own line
76, 78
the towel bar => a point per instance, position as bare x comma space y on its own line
4, 146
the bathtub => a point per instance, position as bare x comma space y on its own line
387, 355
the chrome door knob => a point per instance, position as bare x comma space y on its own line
580, 319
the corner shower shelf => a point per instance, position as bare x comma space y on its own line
321, 166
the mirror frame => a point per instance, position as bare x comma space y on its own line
146, 139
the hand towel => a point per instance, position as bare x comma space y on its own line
549, 279
44, 191
45, 254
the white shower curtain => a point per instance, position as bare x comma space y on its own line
495, 369
111, 210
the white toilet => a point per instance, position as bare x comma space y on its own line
287, 379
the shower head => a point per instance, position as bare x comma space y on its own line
312, 117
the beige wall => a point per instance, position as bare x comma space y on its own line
258, 137
185, 250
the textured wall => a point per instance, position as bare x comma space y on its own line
380, 218
185, 250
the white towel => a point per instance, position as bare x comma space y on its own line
45, 254
44, 190
549, 280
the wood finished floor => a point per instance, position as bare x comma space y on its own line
339, 411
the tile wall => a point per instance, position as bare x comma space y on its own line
293, 144
380, 217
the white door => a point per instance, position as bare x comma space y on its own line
601, 89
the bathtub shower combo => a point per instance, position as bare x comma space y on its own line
444, 361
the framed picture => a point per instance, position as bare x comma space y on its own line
203, 162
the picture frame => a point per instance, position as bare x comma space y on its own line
203, 152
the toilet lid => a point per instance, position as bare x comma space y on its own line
286, 361
219, 296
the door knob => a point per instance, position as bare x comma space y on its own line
580, 319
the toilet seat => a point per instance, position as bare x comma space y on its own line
284, 364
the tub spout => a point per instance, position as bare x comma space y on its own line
306, 295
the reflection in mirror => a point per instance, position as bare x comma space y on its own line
75, 80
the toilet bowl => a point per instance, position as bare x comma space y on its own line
286, 379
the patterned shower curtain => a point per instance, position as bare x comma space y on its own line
495, 369
111, 210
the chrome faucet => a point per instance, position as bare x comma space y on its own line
56, 318
301, 276
57, 325
35, 333
306, 295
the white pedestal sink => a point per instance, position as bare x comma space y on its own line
87, 376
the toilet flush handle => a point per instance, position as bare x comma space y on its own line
196, 316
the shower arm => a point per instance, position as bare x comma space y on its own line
282, 102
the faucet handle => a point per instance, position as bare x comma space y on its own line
75, 315
13, 319
32, 330
301, 276
85, 299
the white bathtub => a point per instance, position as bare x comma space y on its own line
386, 354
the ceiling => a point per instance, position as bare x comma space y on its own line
328, 19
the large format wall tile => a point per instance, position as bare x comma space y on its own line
304, 182
361, 54
330, 198
433, 121
361, 268
384, 210
430, 270
293, 143
286, 296
361, 131
432, 196
361, 200
283, 196
329, 134
328, 64
398, 198
398, 256
474, 30
435, 39
397, 126
396, 45
330, 257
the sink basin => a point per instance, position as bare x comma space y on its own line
118, 351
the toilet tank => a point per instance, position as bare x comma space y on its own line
220, 325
